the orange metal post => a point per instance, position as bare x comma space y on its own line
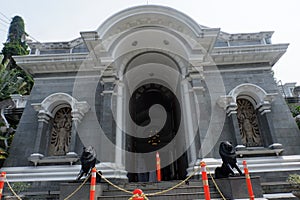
93, 184
158, 171
248, 180
205, 180
2, 180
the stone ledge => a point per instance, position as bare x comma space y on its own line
274, 149
38, 158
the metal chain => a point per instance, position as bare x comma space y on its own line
150, 194
175, 186
127, 191
79, 187
119, 188
215, 183
68, 197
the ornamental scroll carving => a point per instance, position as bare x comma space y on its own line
248, 124
61, 132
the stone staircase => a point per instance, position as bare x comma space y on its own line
194, 190
46, 180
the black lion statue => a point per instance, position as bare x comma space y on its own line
227, 153
88, 161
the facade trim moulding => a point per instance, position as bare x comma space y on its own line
249, 54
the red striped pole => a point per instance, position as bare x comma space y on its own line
93, 184
248, 180
2, 180
205, 180
158, 171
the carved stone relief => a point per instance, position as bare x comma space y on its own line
61, 132
248, 124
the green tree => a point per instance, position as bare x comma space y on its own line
13, 80
295, 109
15, 43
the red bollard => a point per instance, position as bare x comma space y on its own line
2, 180
248, 180
158, 172
137, 194
93, 184
205, 180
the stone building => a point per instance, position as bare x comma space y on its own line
151, 79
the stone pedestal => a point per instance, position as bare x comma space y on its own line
236, 187
83, 194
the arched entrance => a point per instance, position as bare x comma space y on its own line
152, 96
153, 138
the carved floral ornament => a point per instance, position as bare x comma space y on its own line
260, 99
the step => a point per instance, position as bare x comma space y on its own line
188, 189
280, 196
176, 196
276, 187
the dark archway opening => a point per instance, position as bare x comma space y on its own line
142, 99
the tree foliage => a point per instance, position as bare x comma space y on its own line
15, 43
295, 109
11, 82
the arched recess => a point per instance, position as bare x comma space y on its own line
150, 28
248, 108
58, 117
150, 77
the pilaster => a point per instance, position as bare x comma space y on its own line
188, 121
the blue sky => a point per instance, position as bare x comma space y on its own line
63, 20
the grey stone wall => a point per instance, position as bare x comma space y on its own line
285, 128
97, 128
23, 143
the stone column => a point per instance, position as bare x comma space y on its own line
43, 120
197, 97
231, 111
188, 121
112, 130
119, 156
40, 140
267, 123
76, 119
229, 104
107, 121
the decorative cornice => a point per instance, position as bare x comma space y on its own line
59, 63
249, 54
245, 36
